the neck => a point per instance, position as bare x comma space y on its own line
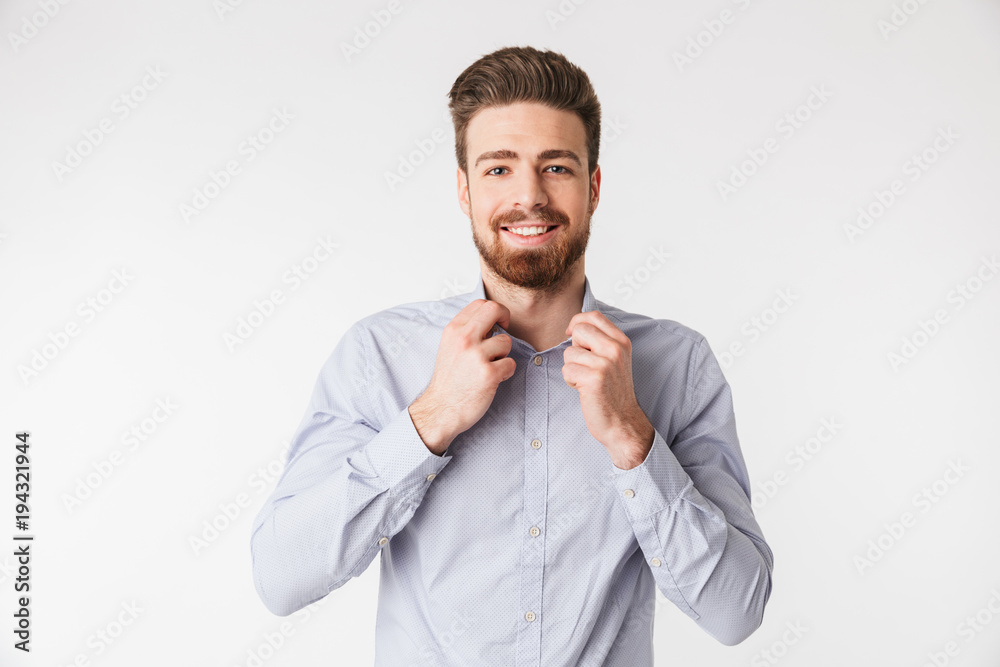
538, 317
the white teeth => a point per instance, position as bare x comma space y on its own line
529, 231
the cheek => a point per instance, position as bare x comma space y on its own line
574, 201
485, 207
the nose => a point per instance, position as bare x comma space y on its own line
529, 192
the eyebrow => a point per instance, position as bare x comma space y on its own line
551, 154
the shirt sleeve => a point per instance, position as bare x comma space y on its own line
689, 505
349, 485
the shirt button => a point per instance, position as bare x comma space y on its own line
382, 541
538, 361
655, 562
431, 476
534, 531
629, 493
536, 443
530, 616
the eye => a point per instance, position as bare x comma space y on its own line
490, 172
556, 166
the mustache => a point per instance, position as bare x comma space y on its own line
546, 215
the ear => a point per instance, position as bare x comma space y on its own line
463, 193
595, 188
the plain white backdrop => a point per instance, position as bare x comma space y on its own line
166, 168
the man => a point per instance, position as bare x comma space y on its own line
528, 463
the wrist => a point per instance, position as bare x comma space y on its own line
634, 444
427, 421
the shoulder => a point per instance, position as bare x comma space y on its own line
402, 323
650, 331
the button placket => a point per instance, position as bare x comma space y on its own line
536, 411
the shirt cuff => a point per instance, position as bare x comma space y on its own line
654, 484
399, 456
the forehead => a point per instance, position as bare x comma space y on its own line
525, 122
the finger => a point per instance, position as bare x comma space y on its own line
574, 374
569, 375
589, 337
497, 346
580, 356
488, 314
600, 321
507, 365
465, 314
475, 314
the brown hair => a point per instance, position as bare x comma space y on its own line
524, 74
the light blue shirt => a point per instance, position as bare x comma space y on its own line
523, 544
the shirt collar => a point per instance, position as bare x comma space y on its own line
589, 303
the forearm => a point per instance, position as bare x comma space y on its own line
326, 520
715, 569
719, 575
308, 544
431, 424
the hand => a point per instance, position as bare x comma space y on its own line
599, 365
469, 367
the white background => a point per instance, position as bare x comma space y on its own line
673, 131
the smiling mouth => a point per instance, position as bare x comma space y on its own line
529, 232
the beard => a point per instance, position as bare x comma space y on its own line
533, 267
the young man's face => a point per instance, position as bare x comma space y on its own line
522, 172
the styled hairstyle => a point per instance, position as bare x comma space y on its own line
524, 74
